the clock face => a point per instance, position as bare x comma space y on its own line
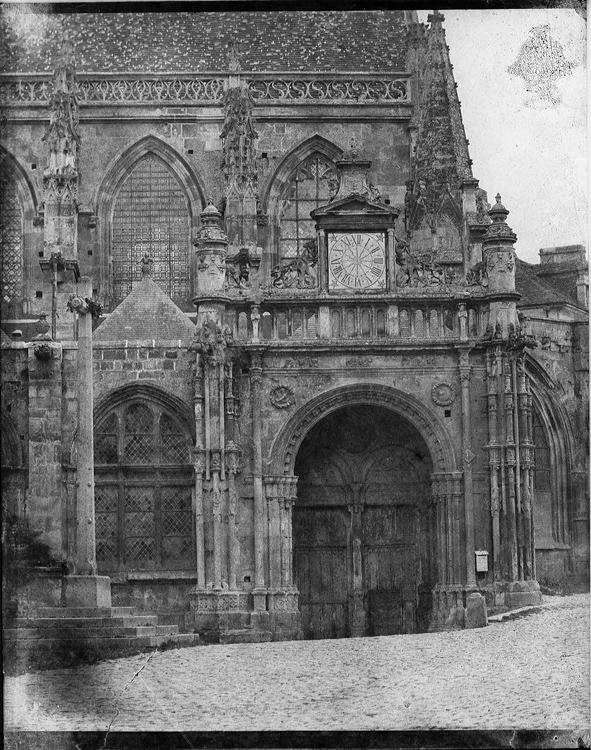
356, 260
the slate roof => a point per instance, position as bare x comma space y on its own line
146, 313
143, 42
536, 291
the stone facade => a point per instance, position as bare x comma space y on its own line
270, 362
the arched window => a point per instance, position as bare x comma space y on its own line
310, 186
11, 241
143, 495
151, 215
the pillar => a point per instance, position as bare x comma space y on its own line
256, 377
467, 459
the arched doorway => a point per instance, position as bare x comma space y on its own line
363, 528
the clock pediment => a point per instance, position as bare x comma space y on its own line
355, 205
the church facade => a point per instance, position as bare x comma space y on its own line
271, 366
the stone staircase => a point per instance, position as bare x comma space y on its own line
107, 629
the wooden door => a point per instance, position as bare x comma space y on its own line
321, 570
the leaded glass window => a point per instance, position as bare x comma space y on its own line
143, 497
11, 241
312, 185
151, 215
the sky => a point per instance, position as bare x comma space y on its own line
528, 131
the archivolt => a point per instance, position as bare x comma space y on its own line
144, 392
285, 447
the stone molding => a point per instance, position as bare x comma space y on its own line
284, 449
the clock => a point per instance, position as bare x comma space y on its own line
356, 260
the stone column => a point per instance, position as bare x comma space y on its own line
467, 459
274, 491
256, 377
492, 364
232, 468
199, 465
357, 616
85, 588
510, 453
85, 558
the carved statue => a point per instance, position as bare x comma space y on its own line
212, 339
62, 135
238, 269
477, 275
147, 266
300, 272
418, 270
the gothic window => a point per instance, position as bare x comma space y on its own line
11, 241
143, 496
151, 215
311, 186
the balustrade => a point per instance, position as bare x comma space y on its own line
313, 320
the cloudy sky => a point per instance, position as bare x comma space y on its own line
527, 130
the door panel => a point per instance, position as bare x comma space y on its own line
321, 570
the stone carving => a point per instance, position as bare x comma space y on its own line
74, 304
519, 340
282, 397
443, 394
295, 363
419, 269
179, 90
42, 327
43, 351
62, 135
477, 275
300, 272
335, 90
211, 340
238, 269
500, 262
238, 142
147, 266
359, 362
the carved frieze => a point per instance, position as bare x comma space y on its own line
210, 90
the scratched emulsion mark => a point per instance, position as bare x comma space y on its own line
541, 62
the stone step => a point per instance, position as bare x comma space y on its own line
86, 622
137, 643
86, 612
246, 635
79, 634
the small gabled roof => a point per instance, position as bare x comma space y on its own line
536, 291
146, 313
354, 204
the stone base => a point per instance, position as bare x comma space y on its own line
456, 608
231, 617
86, 591
523, 594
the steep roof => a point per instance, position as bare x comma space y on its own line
143, 42
146, 313
536, 291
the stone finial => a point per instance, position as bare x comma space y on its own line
147, 266
234, 57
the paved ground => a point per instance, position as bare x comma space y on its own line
530, 672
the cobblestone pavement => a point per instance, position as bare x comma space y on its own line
529, 672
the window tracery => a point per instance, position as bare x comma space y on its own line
151, 215
143, 497
312, 184
11, 241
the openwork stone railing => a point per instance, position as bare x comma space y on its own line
348, 321
333, 90
119, 90
150, 90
